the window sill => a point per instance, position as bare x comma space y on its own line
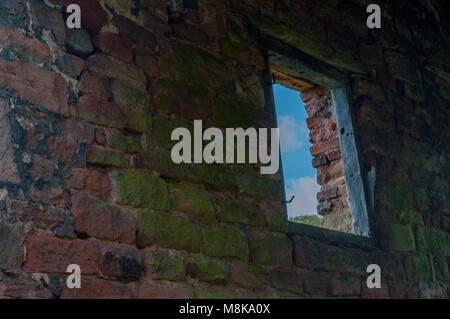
332, 236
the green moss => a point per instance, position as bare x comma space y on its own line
225, 242
278, 223
198, 68
163, 128
106, 207
431, 240
254, 276
213, 176
193, 201
233, 211
139, 121
105, 120
108, 158
207, 269
128, 95
399, 199
141, 190
270, 250
286, 280
167, 231
215, 294
400, 237
417, 267
167, 267
259, 187
176, 97
125, 143
228, 112
235, 50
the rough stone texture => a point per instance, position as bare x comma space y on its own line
12, 238
8, 168
86, 175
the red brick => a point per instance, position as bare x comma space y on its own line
147, 62
100, 136
18, 288
42, 168
77, 131
93, 218
99, 111
116, 69
48, 218
62, 149
313, 122
48, 194
314, 93
316, 105
91, 182
47, 253
30, 48
324, 146
35, 84
114, 45
71, 65
121, 263
342, 286
376, 293
334, 155
97, 289
151, 290
94, 84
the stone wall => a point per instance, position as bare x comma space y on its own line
86, 119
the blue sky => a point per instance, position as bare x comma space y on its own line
299, 175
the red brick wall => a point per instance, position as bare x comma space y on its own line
333, 201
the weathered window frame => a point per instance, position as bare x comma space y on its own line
356, 181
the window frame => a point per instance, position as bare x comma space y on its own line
358, 184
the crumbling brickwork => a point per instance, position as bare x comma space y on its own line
333, 202
86, 118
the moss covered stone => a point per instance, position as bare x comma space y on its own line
126, 143
259, 187
215, 294
199, 68
398, 198
417, 267
167, 231
166, 267
234, 211
229, 112
207, 269
400, 237
270, 250
141, 190
211, 175
440, 267
225, 242
127, 95
431, 240
194, 201
278, 223
180, 97
107, 158
235, 50
286, 280
163, 128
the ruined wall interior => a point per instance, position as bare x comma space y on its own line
86, 176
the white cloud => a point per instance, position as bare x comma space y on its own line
291, 133
305, 190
